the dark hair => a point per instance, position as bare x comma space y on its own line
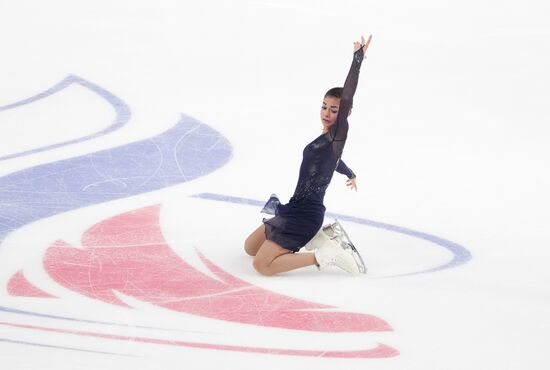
336, 92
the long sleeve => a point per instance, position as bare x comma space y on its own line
339, 131
345, 170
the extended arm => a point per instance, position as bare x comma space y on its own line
339, 131
345, 170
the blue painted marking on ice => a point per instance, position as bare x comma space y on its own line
121, 108
60, 347
460, 254
74, 319
188, 150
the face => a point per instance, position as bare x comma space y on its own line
329, 111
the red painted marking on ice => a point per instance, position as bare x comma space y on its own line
18, 285
380, 351
128, 254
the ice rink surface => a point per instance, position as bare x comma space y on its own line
139, 139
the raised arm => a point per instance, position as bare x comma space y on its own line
339, 131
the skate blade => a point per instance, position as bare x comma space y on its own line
358, 259
271, 205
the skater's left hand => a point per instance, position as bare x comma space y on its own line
358, 45
352, 184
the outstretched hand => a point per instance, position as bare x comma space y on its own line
358, 45
352, 184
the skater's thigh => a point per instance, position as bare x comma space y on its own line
268, 251
255, 240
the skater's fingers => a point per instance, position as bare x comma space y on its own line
352, 184
368, 42
366, 45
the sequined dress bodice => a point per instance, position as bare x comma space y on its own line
317, 168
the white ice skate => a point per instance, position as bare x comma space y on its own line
328, 256
334, 235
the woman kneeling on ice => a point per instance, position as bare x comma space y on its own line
274, 244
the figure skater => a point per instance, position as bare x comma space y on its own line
274, 244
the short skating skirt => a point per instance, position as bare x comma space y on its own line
296, 224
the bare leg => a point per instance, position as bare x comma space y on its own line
254, 241
272, 259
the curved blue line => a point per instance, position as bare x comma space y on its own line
48, 92
185, 152
121, 108
460, 254
66, 318
6, 340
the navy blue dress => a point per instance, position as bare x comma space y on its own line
299, 220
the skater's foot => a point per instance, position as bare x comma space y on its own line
334, 236
328, 256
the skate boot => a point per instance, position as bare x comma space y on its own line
320, 239
272, 205
328, 256
334, 235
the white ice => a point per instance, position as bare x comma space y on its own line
449, 135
